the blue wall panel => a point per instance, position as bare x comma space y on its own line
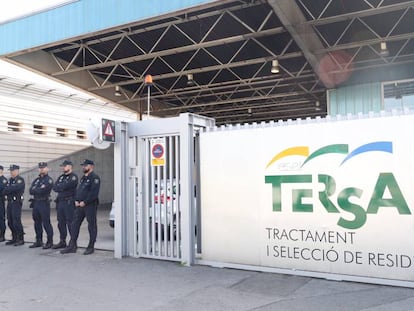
82, 17
354, 99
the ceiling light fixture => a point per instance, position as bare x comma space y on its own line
275, 66
190, 79
317, 105
117, 91
383, 49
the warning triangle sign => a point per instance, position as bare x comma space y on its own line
108, 130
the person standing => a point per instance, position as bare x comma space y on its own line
65, 186
86, 203
40, 189
3, 183
14, 192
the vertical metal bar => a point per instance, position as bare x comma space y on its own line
178, 200
158, 210
172, 196
151, 202
164, 209
197, 228
142, 200
148, 100
151, 205
144, 194
133, 194
120, 195
139, 202
187, 189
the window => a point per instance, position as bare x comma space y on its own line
81, 134
61, 132
14, 126
39, 129
398, 95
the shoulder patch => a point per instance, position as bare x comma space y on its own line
4, 181
50, 181
73, 177
96, 181
19, 181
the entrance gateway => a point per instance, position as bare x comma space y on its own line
308, 205
156, 185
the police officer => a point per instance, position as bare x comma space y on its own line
3, 183
65, 186
86, 202
40, 189
14, 192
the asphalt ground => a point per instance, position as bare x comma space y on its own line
37, 279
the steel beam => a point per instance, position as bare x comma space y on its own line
187, 48
294, 21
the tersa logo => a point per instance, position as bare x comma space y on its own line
343, 200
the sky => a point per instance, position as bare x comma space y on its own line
14, 9
18, 8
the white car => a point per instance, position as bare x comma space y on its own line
165, 209
112, 216
163, 202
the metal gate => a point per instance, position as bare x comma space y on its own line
159, 207
159, 202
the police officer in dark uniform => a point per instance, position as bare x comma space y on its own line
14, 192
40, 189
3, 183
86, 202
65, 186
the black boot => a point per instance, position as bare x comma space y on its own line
38, 243
2, 239
19, 240
13, 240
61, 244
71, 248
48, 244
90, 249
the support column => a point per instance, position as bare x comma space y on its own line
120, 190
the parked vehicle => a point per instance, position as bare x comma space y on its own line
165, 209
112, 216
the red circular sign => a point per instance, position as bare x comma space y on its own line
157, 151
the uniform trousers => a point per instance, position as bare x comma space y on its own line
41, 218
2, 216
14, 217
89, 211
65, 212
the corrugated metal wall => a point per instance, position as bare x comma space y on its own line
27, 152
104, 167
354, 99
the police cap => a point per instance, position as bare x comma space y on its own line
66, 162
87, 162
14, 167
42, 164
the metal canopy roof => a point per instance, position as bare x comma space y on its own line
228, 49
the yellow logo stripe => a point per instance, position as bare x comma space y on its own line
299, 150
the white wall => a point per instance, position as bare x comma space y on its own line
368, 230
